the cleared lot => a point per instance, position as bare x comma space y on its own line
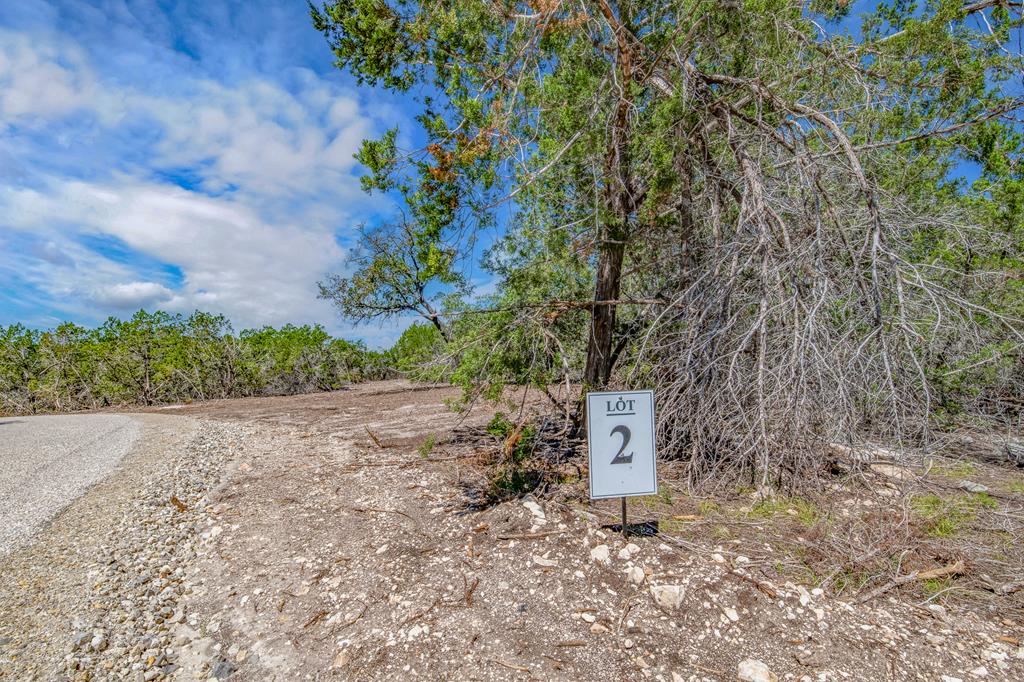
47, 462
318, 537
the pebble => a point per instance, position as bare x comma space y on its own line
629, 551
669, 597
141, 572
535, 509
224, 669
972, 487
601, 554
636, 575
752, 670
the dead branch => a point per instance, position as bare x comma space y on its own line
950, 570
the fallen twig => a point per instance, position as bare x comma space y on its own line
370, 510
374, 437
470, 589
764, 587
360, 465
421, 613
626, 608
356, 617
952, 569
1004, 589
510, 666
316, 617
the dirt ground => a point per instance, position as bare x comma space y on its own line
343, 545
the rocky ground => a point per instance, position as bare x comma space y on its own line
318, 537
97, 596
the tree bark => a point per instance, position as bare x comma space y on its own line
619, 206
602, 325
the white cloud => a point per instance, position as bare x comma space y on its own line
261, 138
132, 295
33, 82
251, 241
233, 261
41, 80
253, 135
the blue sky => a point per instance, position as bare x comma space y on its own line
177, 155
182, 155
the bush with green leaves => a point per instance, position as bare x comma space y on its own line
159, 357
419, 354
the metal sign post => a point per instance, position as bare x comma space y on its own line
625, 526
620, 444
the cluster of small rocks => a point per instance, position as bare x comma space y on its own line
813, 622
139, 579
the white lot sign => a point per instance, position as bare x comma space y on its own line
620, 438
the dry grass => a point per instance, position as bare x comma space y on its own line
859, 537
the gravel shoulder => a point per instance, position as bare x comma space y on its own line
46, 586
47, 462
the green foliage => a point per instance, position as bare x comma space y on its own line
765, 189
500, 426
157, 357
850, 579
510, 480
396, 269
957, 470
513, 475
708, 507
946, 517
517, 439
416, 354
934, 586
427, 446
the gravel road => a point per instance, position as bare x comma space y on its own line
46, 462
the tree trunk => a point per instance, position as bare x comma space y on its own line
619, 201
602, 326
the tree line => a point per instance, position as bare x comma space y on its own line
159, 357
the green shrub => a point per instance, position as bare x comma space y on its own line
417, 354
